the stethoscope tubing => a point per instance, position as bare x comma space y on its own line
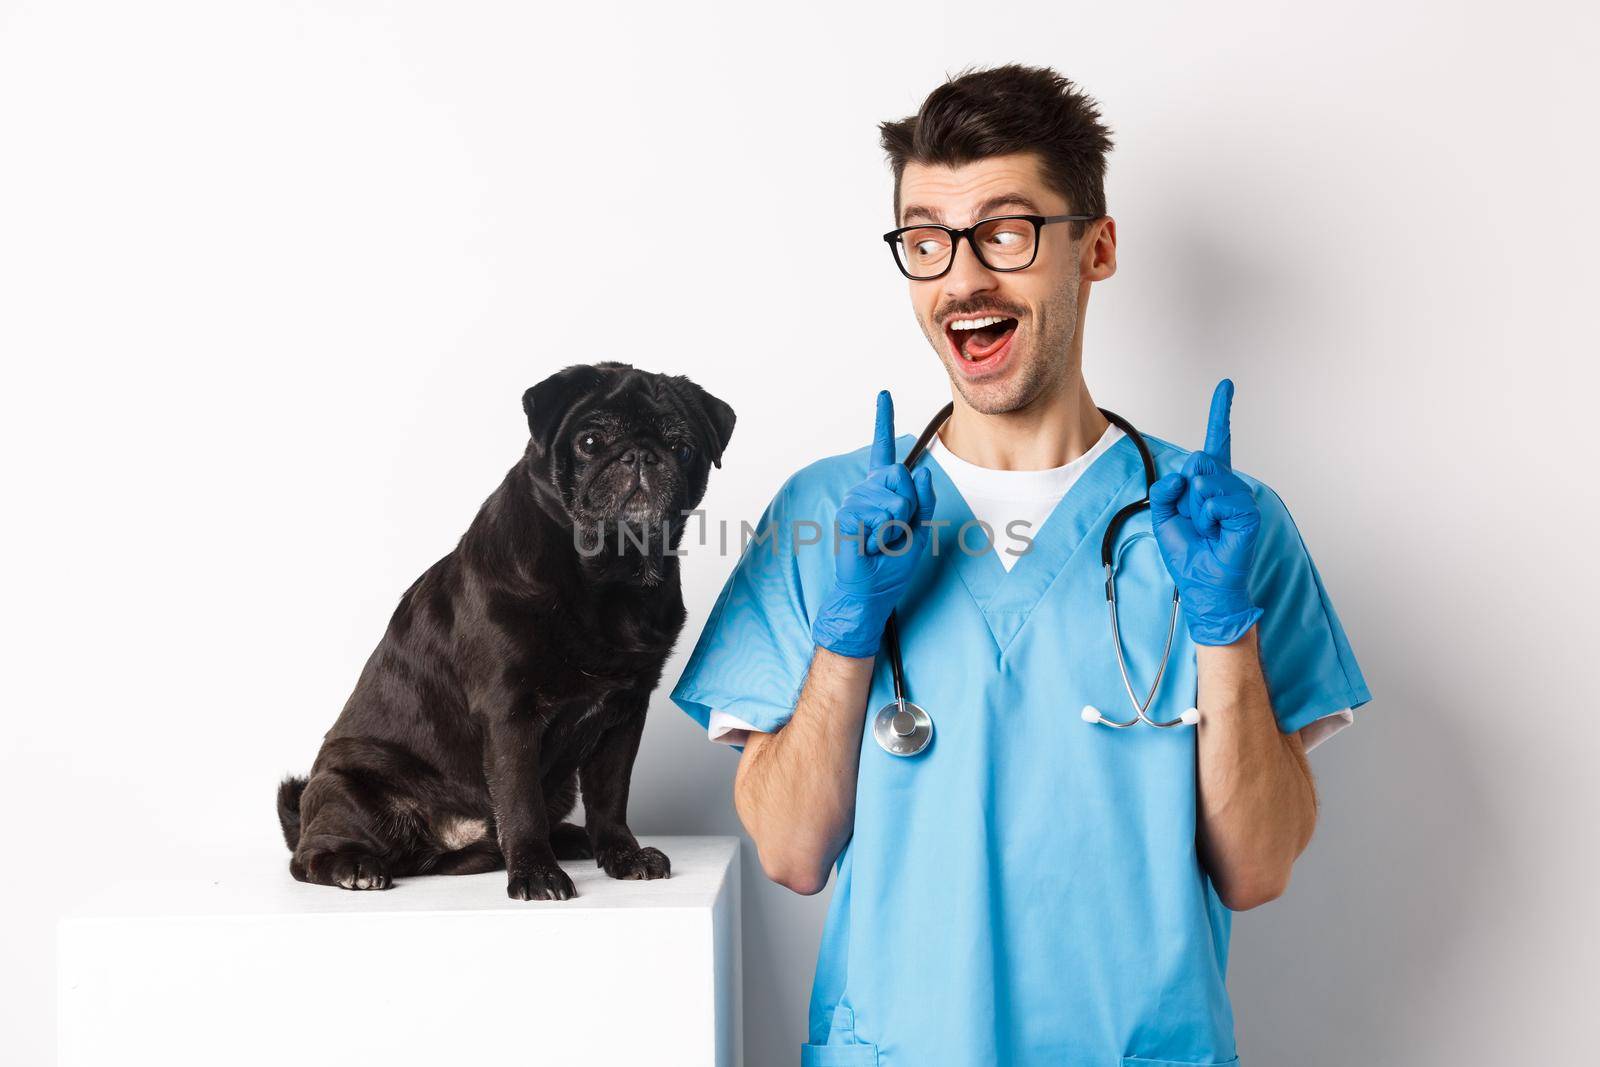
891, 628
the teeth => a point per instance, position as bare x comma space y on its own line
976, 324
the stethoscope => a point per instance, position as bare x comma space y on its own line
904, 729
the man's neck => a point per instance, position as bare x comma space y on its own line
1057, 428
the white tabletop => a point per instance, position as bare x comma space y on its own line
258, 883
226, 958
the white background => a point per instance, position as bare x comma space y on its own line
273, 277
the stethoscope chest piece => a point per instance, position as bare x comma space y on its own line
902, 728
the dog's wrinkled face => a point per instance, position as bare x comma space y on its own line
624, 449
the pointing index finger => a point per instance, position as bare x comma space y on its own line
1219, 432
883, 432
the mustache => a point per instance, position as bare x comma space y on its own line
954, 312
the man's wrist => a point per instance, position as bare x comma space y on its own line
1219, 630
851, 647
1244, 646
850, 625
1230, 675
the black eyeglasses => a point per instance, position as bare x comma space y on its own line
1003, 243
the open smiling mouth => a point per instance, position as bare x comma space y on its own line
980, 340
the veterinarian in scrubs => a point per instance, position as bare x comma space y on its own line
1030, 888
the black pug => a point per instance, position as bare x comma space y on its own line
518, 668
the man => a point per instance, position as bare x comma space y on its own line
1028, 887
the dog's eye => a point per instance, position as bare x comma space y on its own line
684, 452
588, 442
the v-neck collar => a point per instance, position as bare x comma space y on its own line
1007, 598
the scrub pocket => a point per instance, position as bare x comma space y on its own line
842, 1049
1135, 1061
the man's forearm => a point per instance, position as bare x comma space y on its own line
1257, 801
795, 789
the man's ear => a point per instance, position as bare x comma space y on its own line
713, 418
547, 402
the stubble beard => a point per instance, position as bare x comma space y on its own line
1042, 368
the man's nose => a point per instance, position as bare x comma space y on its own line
967, 275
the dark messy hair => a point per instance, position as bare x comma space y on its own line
1012, 108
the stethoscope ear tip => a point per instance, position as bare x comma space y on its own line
1191, 717
1090, 714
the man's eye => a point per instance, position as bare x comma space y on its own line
1011, 238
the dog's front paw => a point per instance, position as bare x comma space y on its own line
354, 870
635, 863
544, 882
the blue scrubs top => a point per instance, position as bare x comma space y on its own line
1026, 890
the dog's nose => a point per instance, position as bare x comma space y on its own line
640, 456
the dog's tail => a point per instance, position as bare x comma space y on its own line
289, 809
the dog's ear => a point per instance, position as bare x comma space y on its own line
710, 416
547, 402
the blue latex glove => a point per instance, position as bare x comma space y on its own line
874, 560
1206, 522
